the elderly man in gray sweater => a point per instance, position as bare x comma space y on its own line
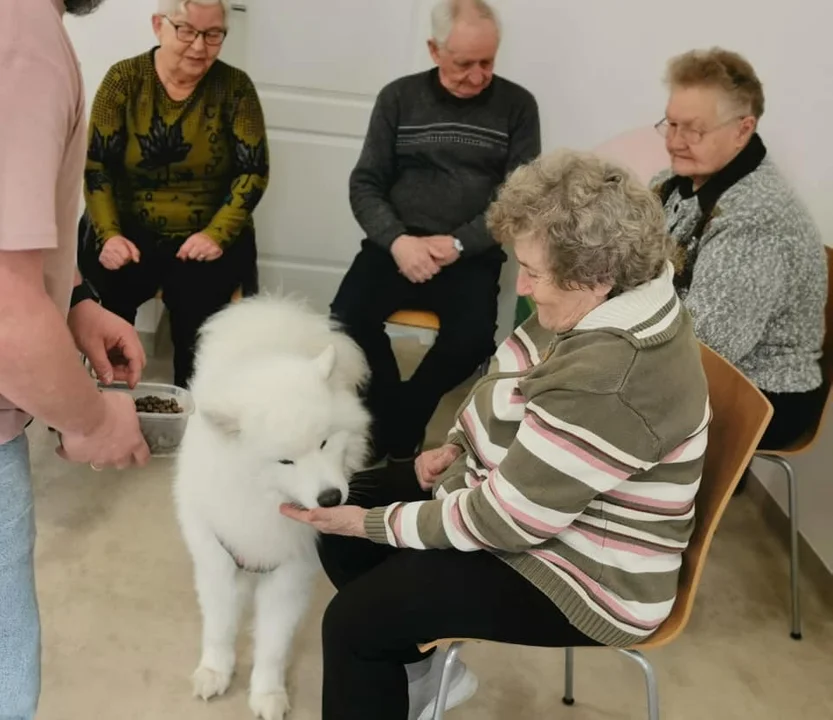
438, 146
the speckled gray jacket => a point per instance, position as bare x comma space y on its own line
759, 283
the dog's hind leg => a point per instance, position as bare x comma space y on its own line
219, 594
280, 602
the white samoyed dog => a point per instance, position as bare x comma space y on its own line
278, 420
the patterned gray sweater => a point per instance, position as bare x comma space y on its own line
432, 162
759, 283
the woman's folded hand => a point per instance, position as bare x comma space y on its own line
199, 247
117, 252
433, 463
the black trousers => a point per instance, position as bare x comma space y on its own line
389, 600
192, 291
463, 295
791, 414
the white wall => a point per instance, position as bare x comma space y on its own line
596, 68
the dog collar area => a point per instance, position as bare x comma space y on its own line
241, 563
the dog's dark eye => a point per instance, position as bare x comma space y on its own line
286, 462
323, 444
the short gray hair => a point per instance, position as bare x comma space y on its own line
176, 7
446, 12
599, 224
723, 69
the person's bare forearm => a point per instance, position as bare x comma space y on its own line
40, 368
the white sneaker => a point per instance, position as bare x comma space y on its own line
422, 693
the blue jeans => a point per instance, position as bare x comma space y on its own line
19, 619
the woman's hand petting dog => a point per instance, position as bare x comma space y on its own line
433, 463
343, 520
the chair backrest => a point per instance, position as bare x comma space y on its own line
642, 150
740, 415
827, 347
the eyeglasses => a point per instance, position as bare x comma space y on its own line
690, 135
187, 34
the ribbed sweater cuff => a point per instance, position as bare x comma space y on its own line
375, 525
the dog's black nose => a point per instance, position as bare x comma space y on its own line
330, 498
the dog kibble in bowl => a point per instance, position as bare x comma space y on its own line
155, 404
163, 410
161, 438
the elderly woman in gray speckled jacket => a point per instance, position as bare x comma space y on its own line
751, 266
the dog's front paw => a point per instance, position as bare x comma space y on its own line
270, 706
209, 683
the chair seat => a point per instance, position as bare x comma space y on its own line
657, 640
799, 446
416, 318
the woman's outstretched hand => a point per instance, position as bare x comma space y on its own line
343, 520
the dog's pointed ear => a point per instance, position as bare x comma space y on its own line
326, 361
225, 422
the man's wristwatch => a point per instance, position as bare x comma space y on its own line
458, 246
82, 292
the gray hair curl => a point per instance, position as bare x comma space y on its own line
599, 224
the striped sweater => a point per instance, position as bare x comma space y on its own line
582, 457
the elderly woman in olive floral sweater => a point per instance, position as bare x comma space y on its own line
564, 497
177, 163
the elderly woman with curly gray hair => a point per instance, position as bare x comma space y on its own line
557, 512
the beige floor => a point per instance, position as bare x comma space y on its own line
121, 626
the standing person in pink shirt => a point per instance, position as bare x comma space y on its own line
47, 314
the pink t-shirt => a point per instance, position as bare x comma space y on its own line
42, 151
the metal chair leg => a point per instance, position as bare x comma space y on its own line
650, 681
445, 679
569, 667
792, 494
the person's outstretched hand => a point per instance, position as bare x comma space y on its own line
343, 520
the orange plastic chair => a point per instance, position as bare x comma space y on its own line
803, 444
422, 319
426, 320
740, 414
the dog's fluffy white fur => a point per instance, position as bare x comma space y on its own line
278, 420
